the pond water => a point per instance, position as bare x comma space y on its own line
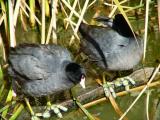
105, 111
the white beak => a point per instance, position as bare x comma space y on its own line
82, 82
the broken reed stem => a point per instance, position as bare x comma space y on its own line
121, 94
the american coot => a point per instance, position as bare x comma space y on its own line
42, 70
112, 47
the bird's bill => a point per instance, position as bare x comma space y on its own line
82, 82
104, 20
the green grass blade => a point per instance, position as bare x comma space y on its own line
85, 111
7, 106
8, 99
17, 112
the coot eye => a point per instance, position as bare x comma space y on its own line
122, 45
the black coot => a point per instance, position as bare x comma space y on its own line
113, 47
40, 70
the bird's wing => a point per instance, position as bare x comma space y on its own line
29, 67
109, 40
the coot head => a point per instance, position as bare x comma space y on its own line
75, 73
119, 24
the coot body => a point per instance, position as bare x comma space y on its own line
40, 70
113, 47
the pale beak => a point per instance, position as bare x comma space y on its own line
82, 82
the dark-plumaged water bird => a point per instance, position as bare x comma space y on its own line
41, 70
112, 47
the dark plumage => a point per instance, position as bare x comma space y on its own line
40, 70
113, 47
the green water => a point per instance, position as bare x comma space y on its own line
104, 110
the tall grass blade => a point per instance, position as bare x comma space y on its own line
8, 99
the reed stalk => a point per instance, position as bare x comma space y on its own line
43, 23
147, 103
28, 8
5, 18
16, 11
158, 2
71, 13
139, 88
115, 8
54, 26
49, 32
11, 24
70, 8
146, 29
79, 21
3, 50
23, 20
32, 13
